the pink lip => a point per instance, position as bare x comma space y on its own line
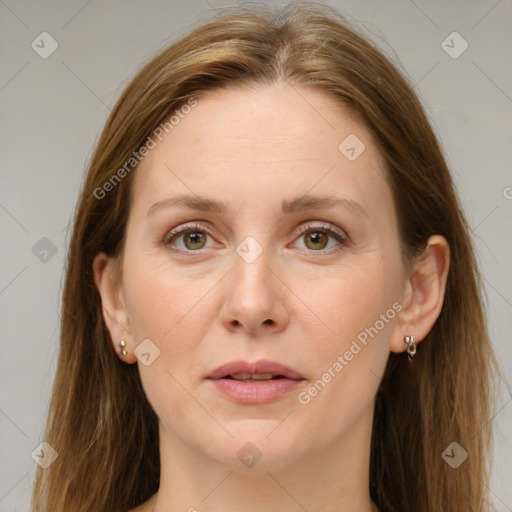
255, 392
261, 366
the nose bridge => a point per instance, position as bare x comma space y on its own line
251, 275
253, 298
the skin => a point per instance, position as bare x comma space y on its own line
301, 302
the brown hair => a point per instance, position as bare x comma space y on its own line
100, 421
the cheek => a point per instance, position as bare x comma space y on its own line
164, 307
158, 297
359, 308
172, 309
350, 301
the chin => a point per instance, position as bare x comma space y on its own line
257, 446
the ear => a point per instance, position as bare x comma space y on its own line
109, 284
423, 295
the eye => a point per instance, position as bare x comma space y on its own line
316, 238
193, 237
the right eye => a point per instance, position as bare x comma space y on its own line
193, 237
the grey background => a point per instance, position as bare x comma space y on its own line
53, 110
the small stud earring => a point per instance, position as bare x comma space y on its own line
411, 345
122, 344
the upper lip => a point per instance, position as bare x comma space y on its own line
261, 366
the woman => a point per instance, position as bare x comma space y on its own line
272, 300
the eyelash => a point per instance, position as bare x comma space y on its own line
185, 228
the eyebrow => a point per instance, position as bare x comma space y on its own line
295, 205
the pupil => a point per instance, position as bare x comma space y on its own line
316, 237
195, 238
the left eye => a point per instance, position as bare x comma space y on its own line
317, 237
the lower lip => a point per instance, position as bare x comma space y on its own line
257, 392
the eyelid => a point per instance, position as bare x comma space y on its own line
322, 226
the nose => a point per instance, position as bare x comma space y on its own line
255, 298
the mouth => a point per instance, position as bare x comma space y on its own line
253, 377
259, 370
255, 383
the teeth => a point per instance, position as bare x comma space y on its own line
252, 376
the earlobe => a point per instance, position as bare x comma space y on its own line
423, 294
115, 315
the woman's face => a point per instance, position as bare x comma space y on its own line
315, 286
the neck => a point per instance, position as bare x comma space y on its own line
334, 478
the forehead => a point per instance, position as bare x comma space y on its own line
263, 142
